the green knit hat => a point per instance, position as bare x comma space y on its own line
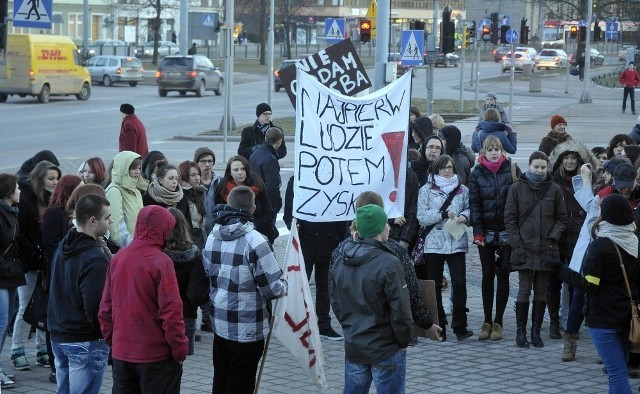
370, 220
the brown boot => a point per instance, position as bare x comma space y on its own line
570, 346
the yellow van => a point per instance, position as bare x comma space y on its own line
42, 66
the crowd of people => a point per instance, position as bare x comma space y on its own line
126, 253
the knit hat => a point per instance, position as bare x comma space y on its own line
556, 120
262, 108
623, 176
127, 109
615, 209
203, 151
492, 95
611, 164
370, 220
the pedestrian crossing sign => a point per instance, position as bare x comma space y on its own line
32, 13
208, 20
334, 30
412, 48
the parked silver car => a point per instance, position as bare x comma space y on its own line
115, 69
165, 48
192, 73
552, 58
520, 61
107, 47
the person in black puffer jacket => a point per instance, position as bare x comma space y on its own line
463, 157
489, 185
192, 281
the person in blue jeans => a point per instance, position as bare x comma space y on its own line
614, 248
78, 273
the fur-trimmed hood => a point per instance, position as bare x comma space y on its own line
571, 145
183, 256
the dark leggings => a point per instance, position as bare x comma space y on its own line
489, 274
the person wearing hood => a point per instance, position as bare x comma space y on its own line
491, 101
72, 316
376, 315
565, 162
253, 136
154, 160
557, 135
29, 165
535, 217
141, 311
635, 132
463, 157
133, 135
492, 125
613, 249
429, 147
192, 282
124, 197
244, 277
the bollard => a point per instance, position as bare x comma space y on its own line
535, 84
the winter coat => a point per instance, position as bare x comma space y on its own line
78, 273
264, 162
196, 205
504, 116
551, 140
141, 309
487, 196
409, 231
430, 200
507, 137
192, 281
535, 239
375, 315
133, 136
251, 138
11, 268
591, 204
629, 78
55, 225
30, 235
210, 202
29, 164
125, 199
463, 158
635, 133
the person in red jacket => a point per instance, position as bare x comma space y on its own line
133, 135
141, 310
629, 79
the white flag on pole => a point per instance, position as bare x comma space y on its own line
296, 323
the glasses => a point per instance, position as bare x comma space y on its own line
205, 161
448, 168
434, 147
266, 114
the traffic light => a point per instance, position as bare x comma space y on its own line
583, 33
486, 33
468, 36
503, 33
448, 28
524, 32
418, 25
597, 31
472, 30
365, 31
573, 32
494, 28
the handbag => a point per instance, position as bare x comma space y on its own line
417, 253
36, 312
634, 326
574, 71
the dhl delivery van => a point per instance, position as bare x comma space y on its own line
42, 66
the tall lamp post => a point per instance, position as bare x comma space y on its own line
586, 95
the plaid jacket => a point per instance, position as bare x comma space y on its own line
243, 275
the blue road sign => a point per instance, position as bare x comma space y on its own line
611, 34
582, 23
209, 20
512, 36
412, 47
32, 13
334, 30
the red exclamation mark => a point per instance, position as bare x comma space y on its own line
394, 142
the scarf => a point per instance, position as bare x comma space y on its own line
13, 210
224, 214
231, 185
536, 179
558, 138
623, 236
196, 196
446, 184
262, 128
163, 195
491, 166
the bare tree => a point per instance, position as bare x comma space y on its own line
155, 23
287, 10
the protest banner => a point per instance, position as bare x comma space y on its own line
337, 67
348, 145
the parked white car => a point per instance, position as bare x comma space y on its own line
521, 59
552, 58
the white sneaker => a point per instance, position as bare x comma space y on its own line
5, 381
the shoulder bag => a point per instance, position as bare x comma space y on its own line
417, 254
634, 326
36, 311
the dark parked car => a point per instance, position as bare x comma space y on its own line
450, 59
193, 73
596, 58
401, 69
499, 52
277, 84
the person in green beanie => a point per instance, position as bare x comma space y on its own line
366, 317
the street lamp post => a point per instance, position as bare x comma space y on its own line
586, 95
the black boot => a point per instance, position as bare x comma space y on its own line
537, 314
522, 315
553, 305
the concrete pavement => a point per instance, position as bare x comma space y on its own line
470, 366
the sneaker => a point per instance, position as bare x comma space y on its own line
5, 381
496, 332
52, 377
330, 334
42, 359
485, 332
20, 362
197, 338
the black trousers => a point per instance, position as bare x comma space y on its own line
149, 378
235, 365
489, 275
323, 304
629, 91
458, 271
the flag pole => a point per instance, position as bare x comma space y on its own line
266, 348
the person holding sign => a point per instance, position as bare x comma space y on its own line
253, 136
443, 198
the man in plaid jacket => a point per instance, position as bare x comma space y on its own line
244, 277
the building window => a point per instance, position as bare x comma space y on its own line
75, 26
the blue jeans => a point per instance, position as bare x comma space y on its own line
8, 307
613, 348
388, 375
80, 366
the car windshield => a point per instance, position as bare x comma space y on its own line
177, 62
548, 53
131, 62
